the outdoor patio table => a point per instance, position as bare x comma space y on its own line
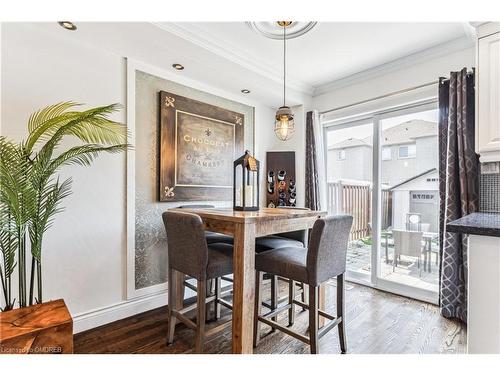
428, 238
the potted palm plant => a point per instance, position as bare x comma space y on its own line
31, 191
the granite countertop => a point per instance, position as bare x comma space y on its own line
479, 223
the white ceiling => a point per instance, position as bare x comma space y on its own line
231, 56
328, 52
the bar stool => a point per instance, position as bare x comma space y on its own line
324, 258
287, 239
189, 254
211, 237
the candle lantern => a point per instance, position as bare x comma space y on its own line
246, 177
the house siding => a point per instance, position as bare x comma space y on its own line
357, 164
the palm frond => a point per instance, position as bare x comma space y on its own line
45, 122
50, 199
90, 126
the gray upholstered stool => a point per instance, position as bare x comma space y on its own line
288, 239
211, 237
189, 254
324, 258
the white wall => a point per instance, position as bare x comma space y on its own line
84, 257
369, 86
266, 140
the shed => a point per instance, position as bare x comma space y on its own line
418, 194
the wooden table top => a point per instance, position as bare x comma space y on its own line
264, 214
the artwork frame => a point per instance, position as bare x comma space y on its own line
198, 144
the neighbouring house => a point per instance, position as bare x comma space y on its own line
348, 160
408, 149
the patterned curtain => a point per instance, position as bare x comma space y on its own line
311, 183
458, 187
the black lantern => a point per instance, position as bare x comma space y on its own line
246, 183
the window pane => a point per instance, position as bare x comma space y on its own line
410, 201
403, 151
349, 176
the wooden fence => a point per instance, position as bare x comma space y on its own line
355, 199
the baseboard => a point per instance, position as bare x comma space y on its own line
95, 318
121, 310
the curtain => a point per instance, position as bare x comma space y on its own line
319, 138
312, 180
458, 187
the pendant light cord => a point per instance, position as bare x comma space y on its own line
284, 64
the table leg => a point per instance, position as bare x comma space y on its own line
243, 287
322, 303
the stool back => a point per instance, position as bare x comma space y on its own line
187, 247
327, 251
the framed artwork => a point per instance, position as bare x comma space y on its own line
198, 144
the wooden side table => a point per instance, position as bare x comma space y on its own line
46, 328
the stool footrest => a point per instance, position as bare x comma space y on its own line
326, 328
288, 331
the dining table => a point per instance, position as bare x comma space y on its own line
245, 226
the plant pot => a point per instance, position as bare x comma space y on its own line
46, 328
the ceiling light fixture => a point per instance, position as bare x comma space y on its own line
245, 91
177, 66
67, 25
284, 125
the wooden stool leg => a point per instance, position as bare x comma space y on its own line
217, 297
313, 319
303, 295
210, 291
291, 296
200, 315
341, 312
173, 290
274, 297
258, 308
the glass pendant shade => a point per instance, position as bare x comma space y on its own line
284, 126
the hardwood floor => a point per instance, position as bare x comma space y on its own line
377, 323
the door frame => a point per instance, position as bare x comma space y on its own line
375, 280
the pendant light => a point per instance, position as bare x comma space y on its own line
284, 125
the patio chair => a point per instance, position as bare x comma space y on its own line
408, 243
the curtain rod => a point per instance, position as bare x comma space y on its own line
441, 79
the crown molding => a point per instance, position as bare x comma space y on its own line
233, 53
455, 45
201, 38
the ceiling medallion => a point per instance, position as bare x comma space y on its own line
274, 30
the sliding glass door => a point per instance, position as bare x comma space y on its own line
410, 200
382, 168
349, 187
